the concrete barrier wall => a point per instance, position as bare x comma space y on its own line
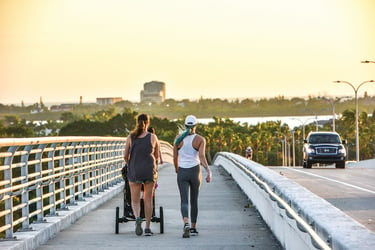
298, 218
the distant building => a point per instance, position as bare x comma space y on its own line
108, 100
153, 91
61, 107
37, 110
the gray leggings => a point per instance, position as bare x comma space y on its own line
189, 178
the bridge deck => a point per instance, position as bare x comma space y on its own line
226, 220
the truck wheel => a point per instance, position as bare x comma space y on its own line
340, 164
308, 164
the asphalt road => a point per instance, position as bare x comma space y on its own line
352, 189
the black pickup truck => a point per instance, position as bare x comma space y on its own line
324, 148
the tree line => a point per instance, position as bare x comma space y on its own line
267, 139
202, 108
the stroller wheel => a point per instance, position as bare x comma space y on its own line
161, 220
117, 219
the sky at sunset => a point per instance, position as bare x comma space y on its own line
63, 49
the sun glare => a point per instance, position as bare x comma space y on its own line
198, 48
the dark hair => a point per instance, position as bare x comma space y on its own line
142, 121
151, 130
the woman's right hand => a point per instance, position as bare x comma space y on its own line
209, 177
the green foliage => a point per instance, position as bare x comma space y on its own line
3, 132
222, 134
67, 117
15, 128
85, 128
117, 125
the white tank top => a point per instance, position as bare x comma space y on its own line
188, 156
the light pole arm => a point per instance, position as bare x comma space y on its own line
364, 83
351, 85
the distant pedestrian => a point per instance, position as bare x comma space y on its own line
188, 156
141, 154
249, 153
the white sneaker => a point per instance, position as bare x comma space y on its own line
186, 231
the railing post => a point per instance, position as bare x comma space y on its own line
66, 164
76, 165
9, 198
116, 169
83, 162
103, 165
39, 191
69, 189
92, 172
25, 193
51, 185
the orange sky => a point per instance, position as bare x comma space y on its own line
63, 49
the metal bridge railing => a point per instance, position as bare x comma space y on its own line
39, 176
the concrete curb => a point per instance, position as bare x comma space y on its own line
332, 225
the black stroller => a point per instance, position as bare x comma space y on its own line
128, 211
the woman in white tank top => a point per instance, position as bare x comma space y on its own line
188, 156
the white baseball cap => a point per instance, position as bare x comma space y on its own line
190, 121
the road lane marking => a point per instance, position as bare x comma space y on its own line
340, 182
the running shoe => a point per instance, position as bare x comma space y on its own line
193, 232
186, 231
138, 226
148, 232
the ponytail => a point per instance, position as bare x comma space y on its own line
142, 121
182, 136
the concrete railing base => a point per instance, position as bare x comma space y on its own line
333, 227
40, 233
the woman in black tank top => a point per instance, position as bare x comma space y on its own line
141, 154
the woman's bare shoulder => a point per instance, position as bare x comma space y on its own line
198, 140
154, 138
198, 137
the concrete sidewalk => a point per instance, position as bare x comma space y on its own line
226, 220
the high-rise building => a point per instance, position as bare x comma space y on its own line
153, 91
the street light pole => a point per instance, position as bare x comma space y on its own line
303, 124
332, 102
356, 112
282, 151
333, 114
294, 150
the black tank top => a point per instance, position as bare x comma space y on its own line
142, 165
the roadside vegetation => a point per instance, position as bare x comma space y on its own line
223, 134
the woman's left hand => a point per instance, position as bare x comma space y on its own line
209, 177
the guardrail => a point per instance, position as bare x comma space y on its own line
298, 218
39, 176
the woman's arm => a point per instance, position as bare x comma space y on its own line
202, 157
156, 145
160, 156
127, 149
175, 158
